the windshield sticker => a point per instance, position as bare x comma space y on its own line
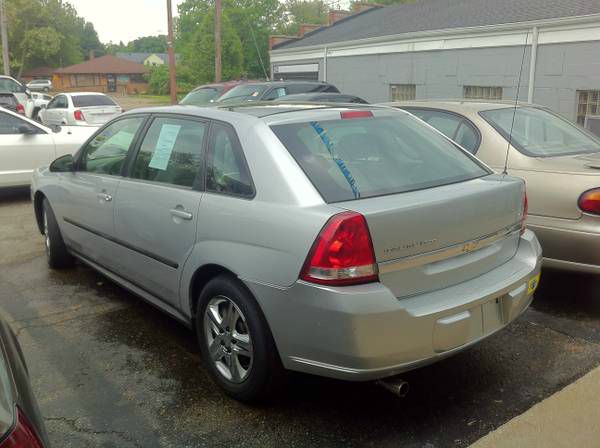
339, 162
164, 146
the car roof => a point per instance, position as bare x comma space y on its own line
285, 83
84, 93
458, 105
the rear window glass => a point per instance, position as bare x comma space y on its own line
366, 157
7, 100
246, 92
202, 96
92, 100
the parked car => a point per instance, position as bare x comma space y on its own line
26, 145
323, 98
344, 242
8, 84
271, 90
79, 109
559, 161
21, 424
207, 94
9, 101
40, 85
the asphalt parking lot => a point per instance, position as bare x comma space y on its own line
111, 371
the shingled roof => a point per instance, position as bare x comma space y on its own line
104, 65
430, 15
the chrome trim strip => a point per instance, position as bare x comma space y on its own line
447, 252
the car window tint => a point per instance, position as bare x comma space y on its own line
385, 154
92, 100
8, 99
8, 85
227, 171
60, 102
446, 123
9, 125
106, 153
171, 152
276, 93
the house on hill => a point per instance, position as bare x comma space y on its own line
148, 59
104, 74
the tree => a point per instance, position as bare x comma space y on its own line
200, 54
89, 41
149, 44
298, 12
40, 45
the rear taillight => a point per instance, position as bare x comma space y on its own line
22, 435
342, 253
524, 212
589, 202
20, 109
78, 115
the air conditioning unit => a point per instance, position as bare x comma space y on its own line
592, 123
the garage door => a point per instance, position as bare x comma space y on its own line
303, 72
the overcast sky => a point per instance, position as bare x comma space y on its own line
125, 19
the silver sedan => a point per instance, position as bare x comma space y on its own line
79, 109
354, 243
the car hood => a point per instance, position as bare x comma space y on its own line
588, 164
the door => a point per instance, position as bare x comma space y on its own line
56, 111
111, 83
156, 210
21, 152
88, 204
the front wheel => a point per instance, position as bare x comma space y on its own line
56, 250
235, 341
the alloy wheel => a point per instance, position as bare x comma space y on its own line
228, 339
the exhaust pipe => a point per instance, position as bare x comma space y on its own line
395, 385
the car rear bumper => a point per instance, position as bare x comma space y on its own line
364, 332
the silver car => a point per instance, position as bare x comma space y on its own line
79, 109
353, 243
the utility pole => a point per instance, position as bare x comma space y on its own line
217, 40
4, 36
172, 74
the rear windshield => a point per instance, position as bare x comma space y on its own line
246, 92
8, 100
202, 96
92, 100
366, 157
539, 133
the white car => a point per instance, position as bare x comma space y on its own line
80, 109
10, 84
26, 145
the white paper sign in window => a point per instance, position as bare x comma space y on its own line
164, 146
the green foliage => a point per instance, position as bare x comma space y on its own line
298, 12
149, 44
158, 80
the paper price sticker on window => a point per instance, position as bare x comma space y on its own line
164, 146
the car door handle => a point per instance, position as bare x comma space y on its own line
105, 197
180, 213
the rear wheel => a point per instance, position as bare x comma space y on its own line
56, 250
235, 341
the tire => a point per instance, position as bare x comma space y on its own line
245, 362
56, 250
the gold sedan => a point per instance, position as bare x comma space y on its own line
559, 161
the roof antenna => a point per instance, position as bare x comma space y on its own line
512, 125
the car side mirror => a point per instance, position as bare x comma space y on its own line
63, 164
27, 129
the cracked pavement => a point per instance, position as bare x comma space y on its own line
111, 371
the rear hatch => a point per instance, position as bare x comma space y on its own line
436, 215
431, 239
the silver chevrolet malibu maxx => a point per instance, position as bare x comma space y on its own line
353, 242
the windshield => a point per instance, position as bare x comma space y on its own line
374, 156
246, 92
92, 100
539, 133
202, 96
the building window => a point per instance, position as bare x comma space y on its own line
84, 80
482, 93
403, 92
588, 103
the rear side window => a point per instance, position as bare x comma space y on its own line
92, 100
9, 125
367, 157
171, 152
226, 168
452, 126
